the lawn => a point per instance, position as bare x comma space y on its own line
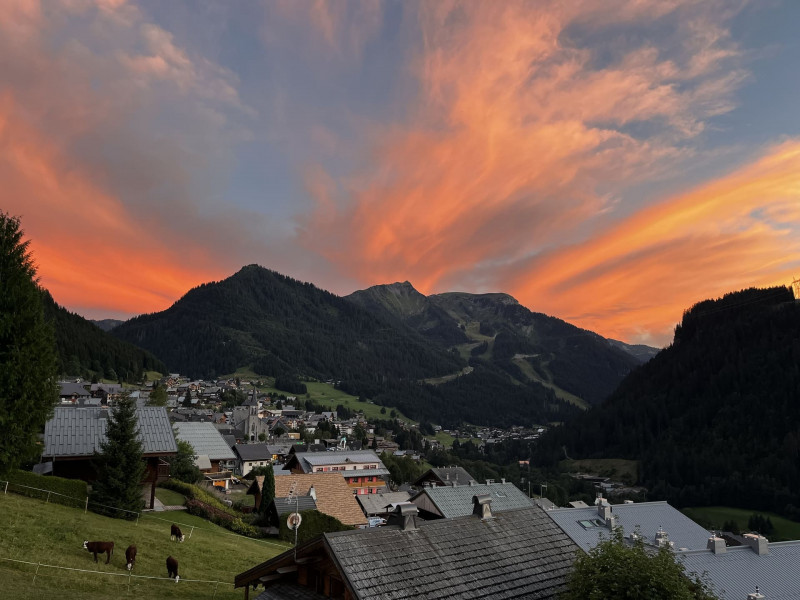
714, 517
50, 535
615, 468
170, 498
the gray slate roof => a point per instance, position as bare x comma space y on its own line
287, 505
373, 504
447, 475
80, 431
205, 439
457, 501
69, 388
253, 451
516, 554
647, 517
735, 573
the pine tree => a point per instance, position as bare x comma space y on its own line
120, 465
28, 367
187, 399
267, 490
181, 466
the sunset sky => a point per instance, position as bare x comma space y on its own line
608, 162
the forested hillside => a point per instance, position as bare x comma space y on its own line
715, 417
85, 350
495, 331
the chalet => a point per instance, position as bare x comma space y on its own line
249, 456
444, 476
73, 435
447, 502
362, 470
515, 554
70, 392
212, 453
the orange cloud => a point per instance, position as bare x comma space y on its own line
521, 141
634, 281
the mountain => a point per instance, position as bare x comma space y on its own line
106, 324
281, 326
714, 417
495, 330
86, 350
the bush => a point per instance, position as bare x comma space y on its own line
74, 491
313, 523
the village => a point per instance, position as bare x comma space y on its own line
343, 466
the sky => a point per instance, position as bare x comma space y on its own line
608, 162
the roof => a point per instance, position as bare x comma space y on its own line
737, 571
205, 439
298, 503
646, 517
308, 461
515, 554
447, 474
456, 501
289, 591
69, 388
334, 496
78, 432
202, 462
377, 503
252, 451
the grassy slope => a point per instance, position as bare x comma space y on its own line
616, 468
51, 534
714, 517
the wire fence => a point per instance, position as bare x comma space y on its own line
84, 503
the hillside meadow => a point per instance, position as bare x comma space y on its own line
37, 532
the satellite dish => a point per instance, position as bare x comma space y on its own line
294, 520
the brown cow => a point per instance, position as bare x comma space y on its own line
175, 533
98, 548
130, 556
172, 568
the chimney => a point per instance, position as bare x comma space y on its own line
758, 543
755, 595
716, 545
482, 506
313, 493
662, 539
472, 482
407, 516
603, 509
503, 480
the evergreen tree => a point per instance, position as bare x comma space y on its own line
120, 466
613, 569
267, 490
181, 466
158, 396
28, 368
187, 399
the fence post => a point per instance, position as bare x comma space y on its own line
6, 490
85, 508
137, 519
35, 574
48, 498
216, 585
129, 580
191, 532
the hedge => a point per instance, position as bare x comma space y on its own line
69, 492
313, 523
203, 504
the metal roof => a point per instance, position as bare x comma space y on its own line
79, 432
318, 459
253, 451
457, 501
644, 518
287, 504
376, 503
205, 439
735, 573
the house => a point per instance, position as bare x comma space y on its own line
331, 493
444, 476
447, 502
73, 435
514, 554
381, 504
251, 455
70, 392
362, 470
657, 523
735, 571
209, 446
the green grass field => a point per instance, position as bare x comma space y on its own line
170, 498
714, 517
616, 468
50, 534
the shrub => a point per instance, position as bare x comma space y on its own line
313, 523
74, 491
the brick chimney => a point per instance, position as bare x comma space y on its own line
758, 543
482, 506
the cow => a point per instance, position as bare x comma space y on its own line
98, 548
130, 557
172, 568
175, 533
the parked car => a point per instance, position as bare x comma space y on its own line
376, 521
